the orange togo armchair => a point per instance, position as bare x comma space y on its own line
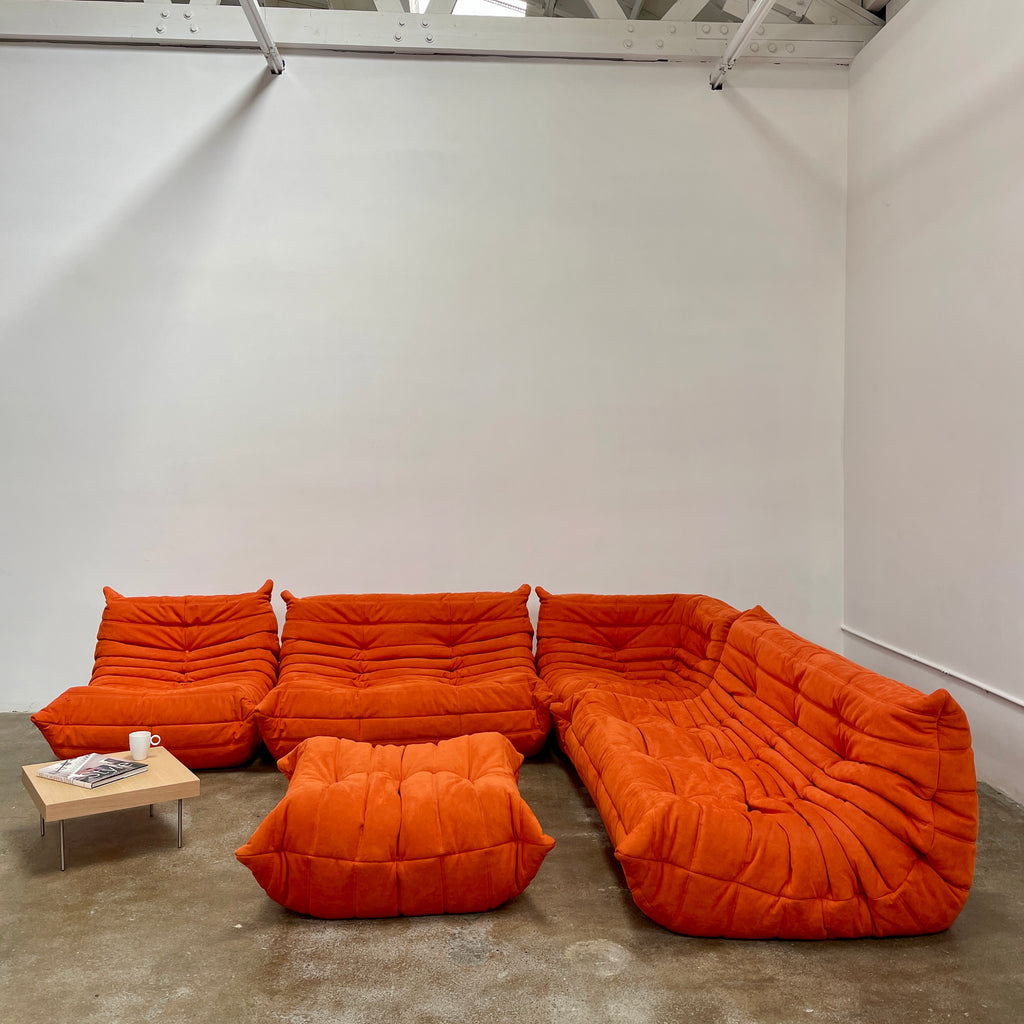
796, 795
405, 668
190, 668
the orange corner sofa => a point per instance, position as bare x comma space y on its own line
379, 831
191, 669
756, 785
405, 668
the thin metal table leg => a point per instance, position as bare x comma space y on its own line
179, 824
151, 810
61, 823
42, 825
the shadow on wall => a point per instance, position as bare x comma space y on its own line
829, 188
993, 113
118, 289
81, 351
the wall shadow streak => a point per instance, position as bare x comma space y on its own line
829, 189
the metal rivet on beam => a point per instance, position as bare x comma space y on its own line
193, 28
627, 42
790, 48
188, 14
398, 36
159, 28
772, 47
754, 47
660, 43
724, 30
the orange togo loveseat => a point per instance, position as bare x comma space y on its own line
756, 785
405, 668
191, 669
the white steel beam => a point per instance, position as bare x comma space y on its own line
850, 12
606, 9
297, 29
817, 12
684, 10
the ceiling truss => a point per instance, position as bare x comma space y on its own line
800, 31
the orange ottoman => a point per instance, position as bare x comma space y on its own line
382, 831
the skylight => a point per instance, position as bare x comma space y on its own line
494, 8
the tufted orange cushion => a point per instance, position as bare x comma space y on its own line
649, 645
379, 831
798, 796
405, 668
190, 668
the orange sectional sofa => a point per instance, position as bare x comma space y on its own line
756, 785
191, 669
405, 668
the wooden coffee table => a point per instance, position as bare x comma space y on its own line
167, 779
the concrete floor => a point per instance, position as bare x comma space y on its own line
137, 930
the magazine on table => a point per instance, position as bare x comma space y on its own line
92, 770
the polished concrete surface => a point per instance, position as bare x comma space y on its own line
138, 930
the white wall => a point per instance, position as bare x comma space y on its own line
411, 324
934, 360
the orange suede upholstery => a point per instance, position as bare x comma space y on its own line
649, 645
405, 668
797, 796
379, 831
191, 669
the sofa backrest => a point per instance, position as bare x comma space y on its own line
858, 714
188, 638
901, 755
354, 634
642, 634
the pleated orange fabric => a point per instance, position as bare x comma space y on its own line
382, 831
190, 668
405, 668
797, 796
664, 646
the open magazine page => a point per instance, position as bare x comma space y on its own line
63, 770
109, 769
91, 770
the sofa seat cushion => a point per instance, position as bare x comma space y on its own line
405, 668
212, 726
192, 669
799, 796
661, 646
404, 708
381, 831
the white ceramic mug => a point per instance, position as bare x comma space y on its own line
140, 742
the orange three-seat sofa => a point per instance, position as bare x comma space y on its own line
753, 784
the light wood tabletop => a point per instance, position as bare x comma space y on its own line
166, 779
